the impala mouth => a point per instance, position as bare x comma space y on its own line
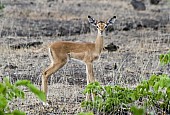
101, 32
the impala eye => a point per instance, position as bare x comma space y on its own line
105, 26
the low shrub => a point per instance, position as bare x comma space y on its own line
152, 93
9, 91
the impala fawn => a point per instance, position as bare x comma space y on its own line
87, 52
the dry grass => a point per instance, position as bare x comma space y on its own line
136, 59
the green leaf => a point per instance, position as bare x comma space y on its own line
96, 83
37, 92
88, 88
147, 86
19, 93
17, 112
156, 86
166, 82
168, 92
6, 81
1, 112
2, 87
133, 96
84, 104
108, 90
11, 95
164, 58
3, 102
137, 111
153, 79
93, 87
22, 83
158, 96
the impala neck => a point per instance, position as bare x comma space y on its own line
99, 42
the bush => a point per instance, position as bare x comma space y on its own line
9, 91
110, 99
152, 93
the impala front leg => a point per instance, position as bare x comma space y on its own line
90, 77
55, 66
90, 74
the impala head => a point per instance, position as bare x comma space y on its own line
101, 25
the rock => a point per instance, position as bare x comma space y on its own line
150, 23
138, 5
26, 45
111, 47
108, 67
10, 40
155, 2
145, 23
10, 66
128, 26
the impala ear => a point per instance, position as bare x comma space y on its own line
111, 21
92, 21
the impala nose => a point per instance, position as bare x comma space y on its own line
101, 31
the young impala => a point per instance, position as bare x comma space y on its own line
61, 51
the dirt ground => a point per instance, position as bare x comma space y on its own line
136, 59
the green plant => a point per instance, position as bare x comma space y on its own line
137, 111
108, 99
165, 58
1, 6
154, 92
86, 113
9, 91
